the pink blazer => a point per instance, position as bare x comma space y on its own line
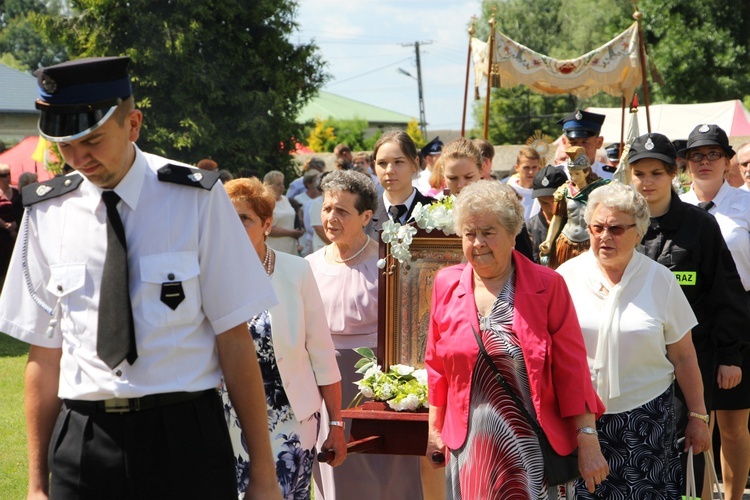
545, 321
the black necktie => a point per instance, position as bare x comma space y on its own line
116, 338
706, 205
396, 212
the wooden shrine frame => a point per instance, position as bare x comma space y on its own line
404, 296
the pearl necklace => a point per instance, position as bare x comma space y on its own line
267, 261
342, 261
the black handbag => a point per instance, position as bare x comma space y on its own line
559, 469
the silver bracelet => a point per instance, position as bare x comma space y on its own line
587, 430
337, 423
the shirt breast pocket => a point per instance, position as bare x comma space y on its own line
63, 281
171, 288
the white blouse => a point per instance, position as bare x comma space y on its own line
627, 327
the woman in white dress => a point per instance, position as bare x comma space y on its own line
283, 235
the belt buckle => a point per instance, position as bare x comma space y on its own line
117, 405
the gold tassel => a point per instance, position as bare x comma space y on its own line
495, 76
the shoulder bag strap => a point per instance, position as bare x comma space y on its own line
499, 377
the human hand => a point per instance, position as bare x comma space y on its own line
697, 435
729, 376
336, 442
436, 449
543, 248
591, 463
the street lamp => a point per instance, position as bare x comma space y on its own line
422, 120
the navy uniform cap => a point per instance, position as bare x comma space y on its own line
708, 135
580, 124
77, 97
547, 180
656, 146
434, 147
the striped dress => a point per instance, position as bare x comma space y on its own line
501, 458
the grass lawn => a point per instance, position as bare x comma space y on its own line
12, 423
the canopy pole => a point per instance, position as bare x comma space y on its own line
622, 126
466, 86
489, 73
637, 15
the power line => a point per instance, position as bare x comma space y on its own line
369, 72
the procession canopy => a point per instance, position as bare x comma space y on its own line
613, 68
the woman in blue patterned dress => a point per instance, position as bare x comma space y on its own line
295, 354
527, 323
636, 324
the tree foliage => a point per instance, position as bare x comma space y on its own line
215, 79
698, 47
22, 45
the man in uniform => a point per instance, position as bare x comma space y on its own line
428, 156
581, 128
132, 280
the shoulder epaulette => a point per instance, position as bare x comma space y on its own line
187, 176
52, 188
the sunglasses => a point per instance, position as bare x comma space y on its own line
4, 175
710, 156
598, 229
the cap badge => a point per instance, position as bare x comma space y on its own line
703, 129
196, 177
579, 115
48, 84
545, 182
649, 144
43, 190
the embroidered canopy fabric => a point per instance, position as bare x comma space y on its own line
612, 68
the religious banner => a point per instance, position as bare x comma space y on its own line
612, 68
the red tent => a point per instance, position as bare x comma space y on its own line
20, 161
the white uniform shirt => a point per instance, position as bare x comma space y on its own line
732, 211
648, 311
422, 181
530, 205
174, 233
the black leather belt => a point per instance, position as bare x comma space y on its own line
126, 405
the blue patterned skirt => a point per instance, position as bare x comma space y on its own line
640, 446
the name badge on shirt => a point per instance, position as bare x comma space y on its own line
685, 278
172, 294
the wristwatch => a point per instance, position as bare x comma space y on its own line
337, 423
587, 430
699, 416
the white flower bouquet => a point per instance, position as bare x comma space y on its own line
402, 387
437, 215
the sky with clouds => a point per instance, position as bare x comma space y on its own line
365, 42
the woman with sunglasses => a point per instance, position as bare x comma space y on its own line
688, 241
708, 153
636, 325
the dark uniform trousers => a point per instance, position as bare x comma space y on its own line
179, 451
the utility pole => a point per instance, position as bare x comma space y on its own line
422, 119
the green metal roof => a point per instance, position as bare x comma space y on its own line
326, 105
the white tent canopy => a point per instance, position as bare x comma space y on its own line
676, 121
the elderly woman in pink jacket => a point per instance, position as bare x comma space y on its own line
525, 319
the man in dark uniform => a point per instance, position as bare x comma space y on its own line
121, 282
546, 182
581, 128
